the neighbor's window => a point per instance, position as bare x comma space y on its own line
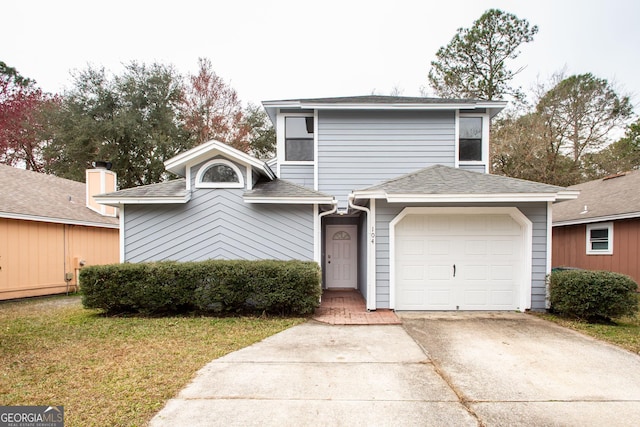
600, 239
470, 139
298, 139
219, 174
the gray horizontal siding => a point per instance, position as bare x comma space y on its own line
217, 224
536, 212
298, 174
359, 149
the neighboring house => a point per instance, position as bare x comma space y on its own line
390, 195
47, 232
600, 230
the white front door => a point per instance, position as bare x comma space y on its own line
341, 263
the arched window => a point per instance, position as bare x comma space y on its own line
219, 173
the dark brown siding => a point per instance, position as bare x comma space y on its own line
569, 249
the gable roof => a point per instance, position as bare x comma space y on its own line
168, 192
379, 102
283, 191
440, 183
614, 197
178, 164
40, 197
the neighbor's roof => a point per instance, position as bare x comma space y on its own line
440, 183
174, 191
379, 102
614, 197
283, 191
40, 197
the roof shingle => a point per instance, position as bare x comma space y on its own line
280, 188
616, 195
439, 179
174, 188
381, 99
32, 194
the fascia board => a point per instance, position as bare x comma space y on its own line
369, 195
399, 106
473, 198
290, 200
629, 215
24, 217
403, 106
567, 195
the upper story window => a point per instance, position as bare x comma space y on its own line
219, 173
298, 139
600, 239
470, 139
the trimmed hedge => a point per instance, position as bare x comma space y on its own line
592, 295
215, 286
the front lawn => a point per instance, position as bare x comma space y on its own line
623, 332
110, 371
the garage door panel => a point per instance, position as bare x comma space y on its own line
503, 298
441, 298
438, 247
473, 273
413, 299
477, 298
503, 247
503, 272
485, 249
439, 272
475, 247
412, 272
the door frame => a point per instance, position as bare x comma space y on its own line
329, 231
513, 212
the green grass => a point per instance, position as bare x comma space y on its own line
115, 371
623, 332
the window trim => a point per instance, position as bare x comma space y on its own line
485, 140
282, 138
599, 226
203, 169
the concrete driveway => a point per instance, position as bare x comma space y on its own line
438, 369
515, 369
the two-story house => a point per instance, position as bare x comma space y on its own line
390, 195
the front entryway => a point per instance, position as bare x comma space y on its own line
347, 307
341, 260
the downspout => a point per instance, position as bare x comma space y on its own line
371, 260
334, 209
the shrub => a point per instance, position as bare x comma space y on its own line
592, 295
221, 287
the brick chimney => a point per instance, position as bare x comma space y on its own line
100, 180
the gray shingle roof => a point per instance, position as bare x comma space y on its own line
280, 188
439, 179
617, 195
174, 188
32, 194
381, 99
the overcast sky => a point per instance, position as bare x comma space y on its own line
276, 49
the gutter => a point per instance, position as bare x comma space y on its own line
318, 224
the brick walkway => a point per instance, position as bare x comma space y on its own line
347, 307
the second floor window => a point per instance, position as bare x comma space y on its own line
470, 140
298, 139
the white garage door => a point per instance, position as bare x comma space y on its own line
458, 262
